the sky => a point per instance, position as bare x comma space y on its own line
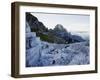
72, 22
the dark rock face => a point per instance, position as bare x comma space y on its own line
60, 28
30, 18
60, 31
34, 23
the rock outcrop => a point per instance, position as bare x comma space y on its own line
35, 24
33, 45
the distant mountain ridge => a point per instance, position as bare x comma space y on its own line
57, 35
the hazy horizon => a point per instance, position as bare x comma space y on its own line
71, 22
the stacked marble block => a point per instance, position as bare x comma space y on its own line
33, 45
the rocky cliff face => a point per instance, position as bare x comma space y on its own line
35, 24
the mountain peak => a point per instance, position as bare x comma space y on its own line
59, 27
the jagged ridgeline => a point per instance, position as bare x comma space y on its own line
57, 35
